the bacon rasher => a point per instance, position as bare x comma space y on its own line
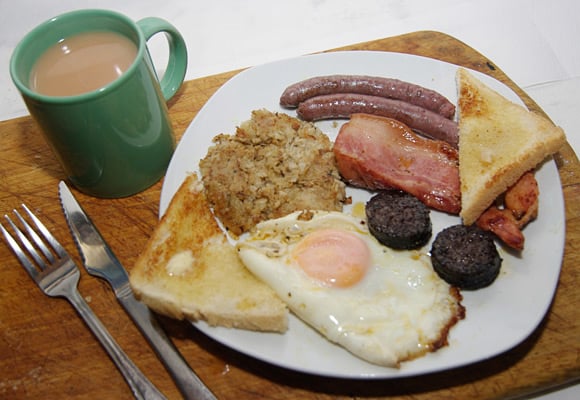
375, 152
520, 206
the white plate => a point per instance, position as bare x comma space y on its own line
498, 317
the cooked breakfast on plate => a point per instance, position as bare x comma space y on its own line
366, 282
384, 306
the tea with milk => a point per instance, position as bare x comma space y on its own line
82, 63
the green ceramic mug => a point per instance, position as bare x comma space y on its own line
117, 140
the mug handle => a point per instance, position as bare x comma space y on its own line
177, 62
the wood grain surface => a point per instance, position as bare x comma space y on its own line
46, 352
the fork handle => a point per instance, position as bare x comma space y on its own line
188, 383
141, 387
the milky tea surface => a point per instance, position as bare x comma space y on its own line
82, 63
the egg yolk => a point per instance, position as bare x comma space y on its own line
335, 257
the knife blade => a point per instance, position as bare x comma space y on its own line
100, 261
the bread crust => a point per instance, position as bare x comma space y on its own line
498, 142
189, 270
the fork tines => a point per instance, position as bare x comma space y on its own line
27, 239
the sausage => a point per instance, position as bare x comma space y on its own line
367, 85
417, 118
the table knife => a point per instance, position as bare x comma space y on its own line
100, 261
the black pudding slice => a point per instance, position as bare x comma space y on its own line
398, 220
465, 257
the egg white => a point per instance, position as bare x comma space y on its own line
399, 310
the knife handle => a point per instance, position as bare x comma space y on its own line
188, 383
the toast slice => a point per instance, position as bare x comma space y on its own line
498, 142
189, 270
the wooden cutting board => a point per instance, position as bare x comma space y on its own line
47, 352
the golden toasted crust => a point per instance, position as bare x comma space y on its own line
190, 270
498, 142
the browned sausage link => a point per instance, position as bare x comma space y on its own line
344, 105
368, 85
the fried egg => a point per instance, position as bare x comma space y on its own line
384, 306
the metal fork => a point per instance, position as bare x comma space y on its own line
57, 275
